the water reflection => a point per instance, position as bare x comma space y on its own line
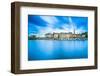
55, 49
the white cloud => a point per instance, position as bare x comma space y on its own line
65, 27
49, 19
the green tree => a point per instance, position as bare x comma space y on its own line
86, 34
32, 37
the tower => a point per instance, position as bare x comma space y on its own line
74, 31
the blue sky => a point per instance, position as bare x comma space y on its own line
38, 24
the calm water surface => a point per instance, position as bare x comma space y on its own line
57, 49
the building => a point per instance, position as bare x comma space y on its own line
64, 35
83, 36
55, 35
60, 36
48, 35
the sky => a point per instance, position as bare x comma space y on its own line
40, 25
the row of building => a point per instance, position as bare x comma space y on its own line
62, 35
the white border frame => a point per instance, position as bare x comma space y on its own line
25, 64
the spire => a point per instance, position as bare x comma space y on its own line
74, 31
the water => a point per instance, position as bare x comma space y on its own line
57, 49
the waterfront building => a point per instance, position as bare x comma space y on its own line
48, 35
55, 35
64, 35
83, 36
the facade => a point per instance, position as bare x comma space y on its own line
65, 35
55, 35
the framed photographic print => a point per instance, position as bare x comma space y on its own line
52, 37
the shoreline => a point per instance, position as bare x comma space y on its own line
62, 39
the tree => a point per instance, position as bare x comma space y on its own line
86, 34
32, 37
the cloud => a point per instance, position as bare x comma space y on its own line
53, 25
44, 30
50, 20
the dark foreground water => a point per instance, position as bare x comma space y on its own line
57, 49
